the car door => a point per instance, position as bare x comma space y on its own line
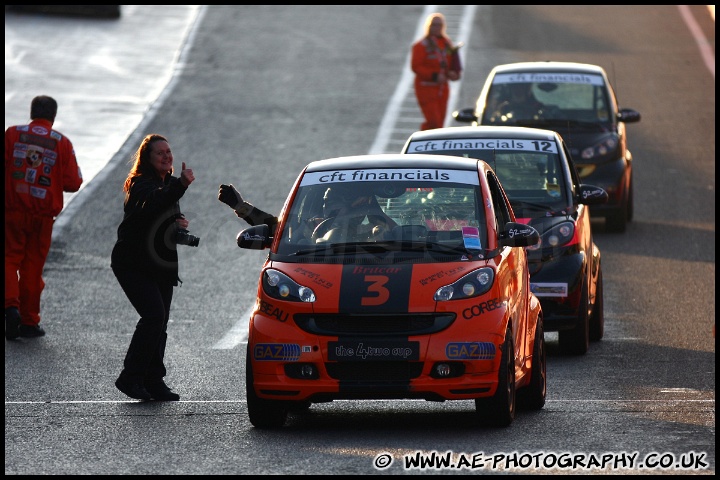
514, 273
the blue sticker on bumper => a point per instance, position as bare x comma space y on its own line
286, 352
470, 351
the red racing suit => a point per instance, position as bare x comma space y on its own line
40, 165
430, 62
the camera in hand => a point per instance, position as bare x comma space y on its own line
183, 237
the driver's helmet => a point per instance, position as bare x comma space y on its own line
520, 90
341, 198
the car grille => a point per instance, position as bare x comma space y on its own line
384, 324
376, 372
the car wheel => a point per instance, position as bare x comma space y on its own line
630, 205
499, 410
577, 340
532, 397
299, 407
616, 222
597, 319
263, 413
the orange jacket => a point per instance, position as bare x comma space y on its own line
429, 58
40, 165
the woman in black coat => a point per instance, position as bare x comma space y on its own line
145, 262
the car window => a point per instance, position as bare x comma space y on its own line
582, 98
438, 204
529, 170
529, 175
502, 210
439, 207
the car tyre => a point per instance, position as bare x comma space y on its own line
299, 406
577, 340
597, 319
630, 205
616, 221
263, 413
532, 397
499, 410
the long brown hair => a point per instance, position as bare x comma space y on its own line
141, 159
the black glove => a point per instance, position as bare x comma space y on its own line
229, 195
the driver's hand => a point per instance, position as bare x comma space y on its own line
229, 195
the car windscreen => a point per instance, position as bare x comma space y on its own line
388, 205
530, 171
515, 99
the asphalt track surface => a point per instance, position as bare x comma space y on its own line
56, 426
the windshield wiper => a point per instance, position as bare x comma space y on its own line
517, 204
341, 248
530, 205
456, 248
557, 122
386, 246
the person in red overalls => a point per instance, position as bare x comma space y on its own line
433, 65
40, 165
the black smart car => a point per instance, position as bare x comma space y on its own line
577, 101
545, 192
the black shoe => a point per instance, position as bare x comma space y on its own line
160, 391
132, 390
31, 331
12, 323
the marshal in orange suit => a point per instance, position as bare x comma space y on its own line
435, 62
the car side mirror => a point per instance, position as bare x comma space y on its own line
591, 195
255, 238
465, 115
518, 235
628, 115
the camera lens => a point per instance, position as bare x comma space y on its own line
183, 237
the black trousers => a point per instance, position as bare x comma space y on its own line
144, 361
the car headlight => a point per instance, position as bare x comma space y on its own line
279, 286
473, 284
557, 236
604, 147
584, 170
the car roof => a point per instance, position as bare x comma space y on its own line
525, 133
387, 160
549, 66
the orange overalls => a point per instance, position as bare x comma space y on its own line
40, 165
430, 57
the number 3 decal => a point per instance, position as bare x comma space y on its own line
377, 286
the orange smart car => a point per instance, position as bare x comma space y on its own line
395, 277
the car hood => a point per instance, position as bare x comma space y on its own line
399, 287
543, 224
578, 140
